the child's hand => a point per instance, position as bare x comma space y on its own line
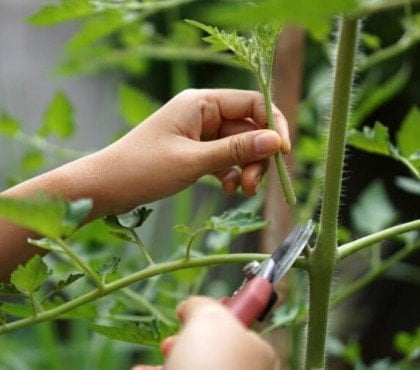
212, 338
198, 132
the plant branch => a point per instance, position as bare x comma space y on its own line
85, 267
408, 39
352, 247
156, 52
285, 181
373, 274
324, 257
142, 247
368, 9
192, 239
150, 271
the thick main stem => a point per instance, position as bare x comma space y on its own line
323, 260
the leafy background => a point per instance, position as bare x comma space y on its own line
119, 66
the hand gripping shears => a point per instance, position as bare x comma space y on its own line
256, 295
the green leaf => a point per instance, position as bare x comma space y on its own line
97, 27
33, 160
306, 13
3, 318
373, 140
149, 333
352, 352
130, 220
409, 185
287, 314
8, 289
70, 279
135, 106
373, 211
109, 267
30, 277
182, 34
378, 94
9, 126
121, 235
236, 222
408, 344
408, 136
68, 10
76, 211
371, 41
58, 117
309, 149
254, 53
41, 214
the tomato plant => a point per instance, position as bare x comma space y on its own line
105, 285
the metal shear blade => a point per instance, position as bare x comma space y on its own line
288, 251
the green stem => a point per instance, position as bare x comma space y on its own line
85, 267
324, 257
352, 247
407, 163
285, 181
142, 247
150, 271
143, 302
154, 6
192, 239
368, 9
409, 39
361, 283
156, 52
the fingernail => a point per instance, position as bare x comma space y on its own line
267, 143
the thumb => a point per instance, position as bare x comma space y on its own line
201, 307
238, 149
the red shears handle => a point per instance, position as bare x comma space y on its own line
251, 300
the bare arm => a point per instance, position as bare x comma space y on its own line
198, 132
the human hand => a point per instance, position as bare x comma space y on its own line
198, 132
212, 338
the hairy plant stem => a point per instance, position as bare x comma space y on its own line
142, 247
285, 181
324, 257
352, 247
150, 271
85, 267
373, 274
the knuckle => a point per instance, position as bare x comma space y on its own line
237, 149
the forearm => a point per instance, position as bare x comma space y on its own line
72, 181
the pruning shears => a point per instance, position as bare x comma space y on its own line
255, 297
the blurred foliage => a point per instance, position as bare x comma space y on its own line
143, 40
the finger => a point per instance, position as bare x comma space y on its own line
230, 104
230, 179
251, 177
167, 345
236, 150
229, 128
196, 306
146, 367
